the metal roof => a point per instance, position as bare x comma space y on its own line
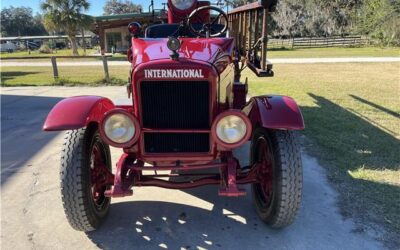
126, 16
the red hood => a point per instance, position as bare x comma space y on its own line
202, 49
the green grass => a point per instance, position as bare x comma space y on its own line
352, 116
275, 53
36, 53
85, 75
334, 52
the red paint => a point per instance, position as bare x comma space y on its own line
77, 112
229, 176
129, 174
122, 182
148, 130
146, 181
180, 168
100, 175
275, 112
265, 168
199, 49
236, 94
195, 53
210, 74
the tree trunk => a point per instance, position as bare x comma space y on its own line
74, 45
83, 42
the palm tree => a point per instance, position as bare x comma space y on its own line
67, 16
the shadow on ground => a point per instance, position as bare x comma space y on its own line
174, 226
374, 105
22, 137
9, 75
350, 142
346, 135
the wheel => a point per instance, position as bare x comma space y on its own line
85, 160
277, 195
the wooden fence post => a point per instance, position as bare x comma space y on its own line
105, 66
55, 69
264, 35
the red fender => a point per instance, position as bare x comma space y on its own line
77, 112
275, 112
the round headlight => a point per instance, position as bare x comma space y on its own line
173, 43
119, 128
231, 129
183, 4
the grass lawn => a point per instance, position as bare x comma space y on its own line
334, 52
88, 75
352, 116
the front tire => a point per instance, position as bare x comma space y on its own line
84, 156
277, 196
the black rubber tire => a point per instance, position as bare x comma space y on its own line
287, 182
79, 207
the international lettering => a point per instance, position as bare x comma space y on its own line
173, 73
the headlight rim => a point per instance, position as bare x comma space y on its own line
245, 138
134, 120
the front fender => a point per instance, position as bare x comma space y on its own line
275, 112
77, 112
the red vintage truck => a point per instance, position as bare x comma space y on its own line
189, 110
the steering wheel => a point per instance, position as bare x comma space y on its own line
207, 29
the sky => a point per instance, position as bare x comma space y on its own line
96, 6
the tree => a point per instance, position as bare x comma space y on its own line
21, 22
67, 16
381, 20
114, 7
287, 17
238, 3
314, 17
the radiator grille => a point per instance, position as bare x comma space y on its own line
176, 142
175, 105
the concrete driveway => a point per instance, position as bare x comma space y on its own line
32, 216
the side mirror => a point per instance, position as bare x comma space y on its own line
134, 29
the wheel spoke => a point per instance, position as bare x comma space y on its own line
96, 153
100, 175
264, 162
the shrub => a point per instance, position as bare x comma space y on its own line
45, 49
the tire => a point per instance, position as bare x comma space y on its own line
83, 211
277, 197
